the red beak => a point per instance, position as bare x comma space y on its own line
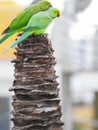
58, 14
50, 5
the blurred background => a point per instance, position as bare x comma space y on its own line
74, 38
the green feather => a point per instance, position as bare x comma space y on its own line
23, 37
22, 19
37, 25
5, 37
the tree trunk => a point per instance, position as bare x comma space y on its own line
36, 99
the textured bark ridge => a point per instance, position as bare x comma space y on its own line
36, 99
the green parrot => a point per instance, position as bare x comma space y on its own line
37, 25
22, 19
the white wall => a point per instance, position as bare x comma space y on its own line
6, 77
87, 80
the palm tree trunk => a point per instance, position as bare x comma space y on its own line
36, 99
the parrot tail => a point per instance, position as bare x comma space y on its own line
20, 39
5, 37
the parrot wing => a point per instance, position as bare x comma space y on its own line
31, 28
40, 20
5, 37
22, 19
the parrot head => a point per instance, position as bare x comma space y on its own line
44, 5
54, 12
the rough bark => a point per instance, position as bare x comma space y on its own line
36, 94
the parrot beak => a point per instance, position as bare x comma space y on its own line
50, 5
58, 14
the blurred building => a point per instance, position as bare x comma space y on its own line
78, 59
